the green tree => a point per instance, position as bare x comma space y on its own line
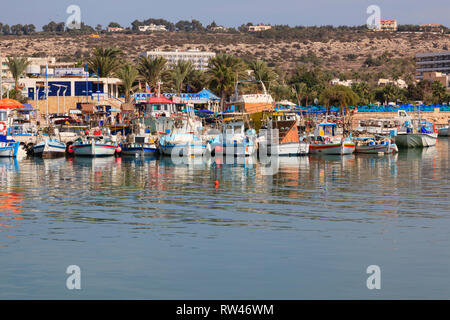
128, 75
104, 61
17, 66
299, 89
439, 92
364, 93
338, 96
151, 70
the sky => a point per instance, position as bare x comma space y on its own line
226, 12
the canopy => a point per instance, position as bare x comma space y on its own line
10, 104
163, 100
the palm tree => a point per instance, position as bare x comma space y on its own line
104, 61
152, 70
262, 72
223, 72
17, 66
180, 73
128, 74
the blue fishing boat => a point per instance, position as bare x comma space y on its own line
8, 148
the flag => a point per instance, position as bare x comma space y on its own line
147, 88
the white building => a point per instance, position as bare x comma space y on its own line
115, 29
336, 82
399, 83
259, 27
152, 27
198, 58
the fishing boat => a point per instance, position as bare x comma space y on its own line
444, 132
8, 148
326, 141
282, 136
138, 146
234, 140
371, 145
94, 146
416, 134
49, 148
182, 144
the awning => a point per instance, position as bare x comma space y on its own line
76, 111
10, 104
114, 110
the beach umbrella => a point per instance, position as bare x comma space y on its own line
10, 104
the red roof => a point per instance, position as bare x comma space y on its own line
159, 100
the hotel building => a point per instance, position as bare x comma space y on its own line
198, 58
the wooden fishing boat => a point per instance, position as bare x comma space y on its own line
49, 148
94, 146
326, 141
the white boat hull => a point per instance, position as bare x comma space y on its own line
93, 150
332, 148
288, 149
49, 150
183, 149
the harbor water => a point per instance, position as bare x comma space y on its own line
153, 229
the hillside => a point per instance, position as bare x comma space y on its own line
344, 52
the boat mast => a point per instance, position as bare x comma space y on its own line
46, 87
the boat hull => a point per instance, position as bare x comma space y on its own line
183, 149
379, 148
332, 148
444, 132
416, 140
288, 149
94, 150
139, 151
49, 150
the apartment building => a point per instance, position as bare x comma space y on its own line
433, 62
259, 27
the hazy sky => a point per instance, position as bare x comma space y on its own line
227, 12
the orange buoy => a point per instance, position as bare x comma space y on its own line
216, 184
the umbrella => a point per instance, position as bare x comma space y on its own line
10, 104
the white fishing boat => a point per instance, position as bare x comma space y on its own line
416, 134
94, 146
138, 146
182, 144
234, 140
325, 141
282, 136
49, 148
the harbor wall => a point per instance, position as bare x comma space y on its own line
440, 118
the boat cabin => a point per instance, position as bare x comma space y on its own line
326, 130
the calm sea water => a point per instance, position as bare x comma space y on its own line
150, 229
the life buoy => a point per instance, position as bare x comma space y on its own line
2, 126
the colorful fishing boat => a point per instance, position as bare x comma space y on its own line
371, 145
49, 148
326, 141
94, 146
420, 135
